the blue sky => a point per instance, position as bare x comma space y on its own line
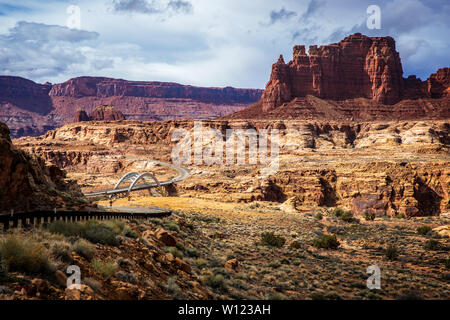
204, 42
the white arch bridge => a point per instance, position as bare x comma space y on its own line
134, 181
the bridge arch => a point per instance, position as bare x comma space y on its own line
143, 176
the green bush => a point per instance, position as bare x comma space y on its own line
326, 241
130, 233
84, 249
447, 263
423, 230
432, 245
3, 270
337, 212
174, 251
347, 216
192, 252
100, 233
319, 216
275, 264
271, 239
391, 252
105, 268
216, 281
67, 229
295, 244
96, 232
369, 216
200, 262
24, 255
61, 250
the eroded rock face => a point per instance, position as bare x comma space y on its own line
28, 184
358, 78
101, 113
81, 115
31, 109
392, 167
358, 66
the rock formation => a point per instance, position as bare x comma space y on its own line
358, 66
81, 115
27, 184
101, 113
357, 78
397, 167
29, 108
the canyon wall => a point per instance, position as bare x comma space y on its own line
29, 108
398, 167
27, 183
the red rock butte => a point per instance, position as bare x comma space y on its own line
358, 67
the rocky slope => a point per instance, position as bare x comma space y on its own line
394, 168
358, 78
27, 184
29, 108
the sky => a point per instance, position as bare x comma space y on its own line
204, 42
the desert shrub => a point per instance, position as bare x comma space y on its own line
67, 229
410, 295
174, 251
127, 277
130, 233
61, 250
432, 244
337, 212
117, 226
172, 226
423, 230
180, 246
3, 270
276, 296
84, 249
271, 239
347, 216
275, 264
105, 268
172, 286
101, 233
391, 252
369, 216
192, 252
216, 281
295, 244
326, 241
319, 216
447, 263
24, 255
200, 262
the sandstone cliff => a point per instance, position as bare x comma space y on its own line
101, 113
29, 108
381, 167
27, 184
357, 78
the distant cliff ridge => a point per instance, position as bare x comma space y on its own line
358, 67
31, 109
